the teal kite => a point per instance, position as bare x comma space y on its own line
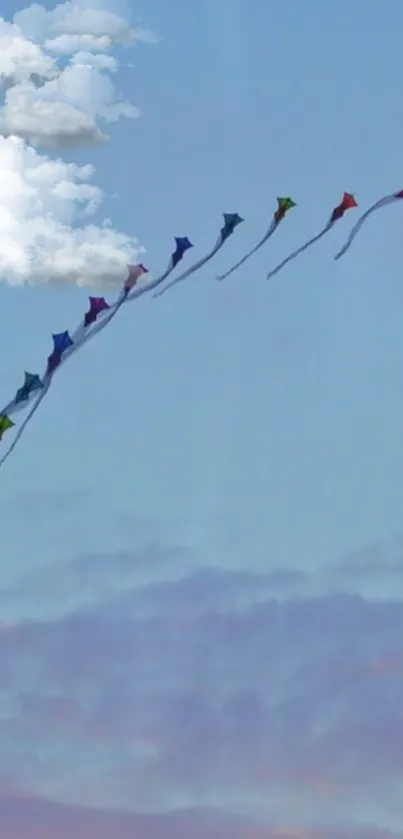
284, 205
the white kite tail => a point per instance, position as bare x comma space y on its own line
104, 318
247, 256
193, 268
300, 250
82, 335
14, 407
27, 419
150, 286
388, 199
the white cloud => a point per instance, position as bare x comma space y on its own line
40, 199
63, 112
98, 62
88, 89
66, 44
77, 24
55, 71
20, 58
50, 123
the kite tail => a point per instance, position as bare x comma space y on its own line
193, 268
300, 250
247, 256
64, 358
389, 199
25, 423
150, 286
87, 335
97, 327
137, 292
15, 408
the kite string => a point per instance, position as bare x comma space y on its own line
300, 250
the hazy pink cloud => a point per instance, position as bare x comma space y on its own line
205, 687
40, 819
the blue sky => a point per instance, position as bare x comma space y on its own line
278, 402
247, 426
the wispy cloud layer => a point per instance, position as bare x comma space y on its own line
202, 690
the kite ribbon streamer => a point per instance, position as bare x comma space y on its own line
100, 308
284, 204
104, 313
231, 220
65, 346
347, 203
32, 384
26, 421
383, 202
100, 313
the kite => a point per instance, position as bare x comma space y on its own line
231, 221
284, 204
383, 202
99, 307
99, 315
61, 343
32, 383
24, 424
5, 424
347, 203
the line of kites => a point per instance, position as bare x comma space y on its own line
100, 313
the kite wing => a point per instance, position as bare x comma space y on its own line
5, 424
61, 343
97, 305
32, 383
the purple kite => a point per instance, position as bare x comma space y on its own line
231, 221
98, 316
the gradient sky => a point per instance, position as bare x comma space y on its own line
202, 574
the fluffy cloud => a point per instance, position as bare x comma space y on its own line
99, 62
64, 109
20, 58
40, 199
63, 112
73, 25
58, 106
